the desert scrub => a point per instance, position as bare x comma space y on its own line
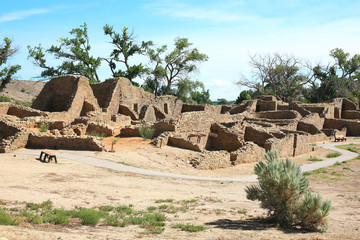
88, 216
168, 200
189, 227
333, 155
146, 132
284, 190
6, 219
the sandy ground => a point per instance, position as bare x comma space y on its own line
69, 184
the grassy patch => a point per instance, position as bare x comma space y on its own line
242, 211
189, 227
315, 159
6, 219
333, 155
168, 200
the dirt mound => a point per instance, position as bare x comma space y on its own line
22, 90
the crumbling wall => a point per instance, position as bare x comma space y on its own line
222, 138
147, 113
245, 106
277, 115
264, 105
192, 108
99, 129
164, 126
12, 136
248, 153
183, 143
104, 93
64, 142
211, 160
349, 105
351, 114
353, 126
296, 106
312, 123
4, 107
284, 146
256, 135
66, 97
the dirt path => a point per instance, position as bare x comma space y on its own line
97, 162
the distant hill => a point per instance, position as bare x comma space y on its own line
21, 91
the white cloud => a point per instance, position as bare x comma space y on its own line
219, 13
7, 17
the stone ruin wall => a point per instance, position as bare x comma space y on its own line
244, 131
40, 141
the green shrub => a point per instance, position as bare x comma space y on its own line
189, 227
283, 190
106, 208
5, 218
88, 216
146, 132
57, 217
333, 155
43, 127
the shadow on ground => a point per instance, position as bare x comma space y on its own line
250, 225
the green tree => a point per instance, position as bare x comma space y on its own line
222, 101
244, 95
340, 79
125, 49
277, 74
168, 69
188, 91
284, 191
6, 73
75, 53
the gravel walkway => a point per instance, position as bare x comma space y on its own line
346, 155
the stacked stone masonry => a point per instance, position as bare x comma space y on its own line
75, 113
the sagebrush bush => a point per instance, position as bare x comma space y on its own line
284, 191
146, 132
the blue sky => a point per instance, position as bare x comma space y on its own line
227, 31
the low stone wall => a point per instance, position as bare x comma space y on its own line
296, 106
192, 108
130, 131
250, 152
353, 126
284, 146
100, 129
183, 143
266, 106
248, 106
18, 140
256, 135
163, 126
349, 105
64, 142
351, 114
212, 160
277, 115
308, 127
222, 138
